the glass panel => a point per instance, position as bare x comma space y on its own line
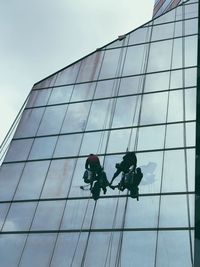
100, 115
164, 31
174, 135
40, 245
9, 177
29, 122
48, 82
176, 79
151, 166
32, 180
174, 172
191, 11
68, 75
10, 249
131, 85
60, 95
168, 17
19, 217
191, 51
141, 35
150, 138
58, 178
190, 102
126, 111
90, 67
156, 63
43, 148
109, 213
190, 134
191, 77
38, 98
94, 143
191, 168
52, 120
119, 140
48, 215
78, 214
175, 109
19, 150
134, 62
173, 249
154, 108
68, 145
138, 247
83, 91
156, 82
76, 117
142, 213
112, 66
171, 214
99, 241
191, 26
3, 213
72, 256
107, 88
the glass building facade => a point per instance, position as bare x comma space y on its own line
136, 93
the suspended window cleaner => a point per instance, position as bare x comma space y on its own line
94, 174
131, 176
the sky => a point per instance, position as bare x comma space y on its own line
39, 37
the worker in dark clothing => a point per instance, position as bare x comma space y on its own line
129, 160
93, 164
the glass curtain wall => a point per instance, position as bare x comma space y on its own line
139, 94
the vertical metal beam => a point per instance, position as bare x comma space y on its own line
197, 168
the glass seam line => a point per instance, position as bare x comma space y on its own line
100, 230
102, 197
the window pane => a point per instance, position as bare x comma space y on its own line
10, 249
141, 35
19, 217
68, 145
164, 31
131, 85
83, 91
52, 120
118, 140
9, 177
100, 115
126, 111
60, 95
76, 117
106, 88
139, 246
163, 48
29, 122
112, 58
150, 138
78, 214
32, 180
58, 178
72, 256
142, 213
38, 98
173, 249
90, 67
3, 213
68, 75
191, 51
156, 82
43, 148
190, 102
19, 150
154, 108
40, 245
134, 62
48, 215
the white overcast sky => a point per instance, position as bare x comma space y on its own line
39, 37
